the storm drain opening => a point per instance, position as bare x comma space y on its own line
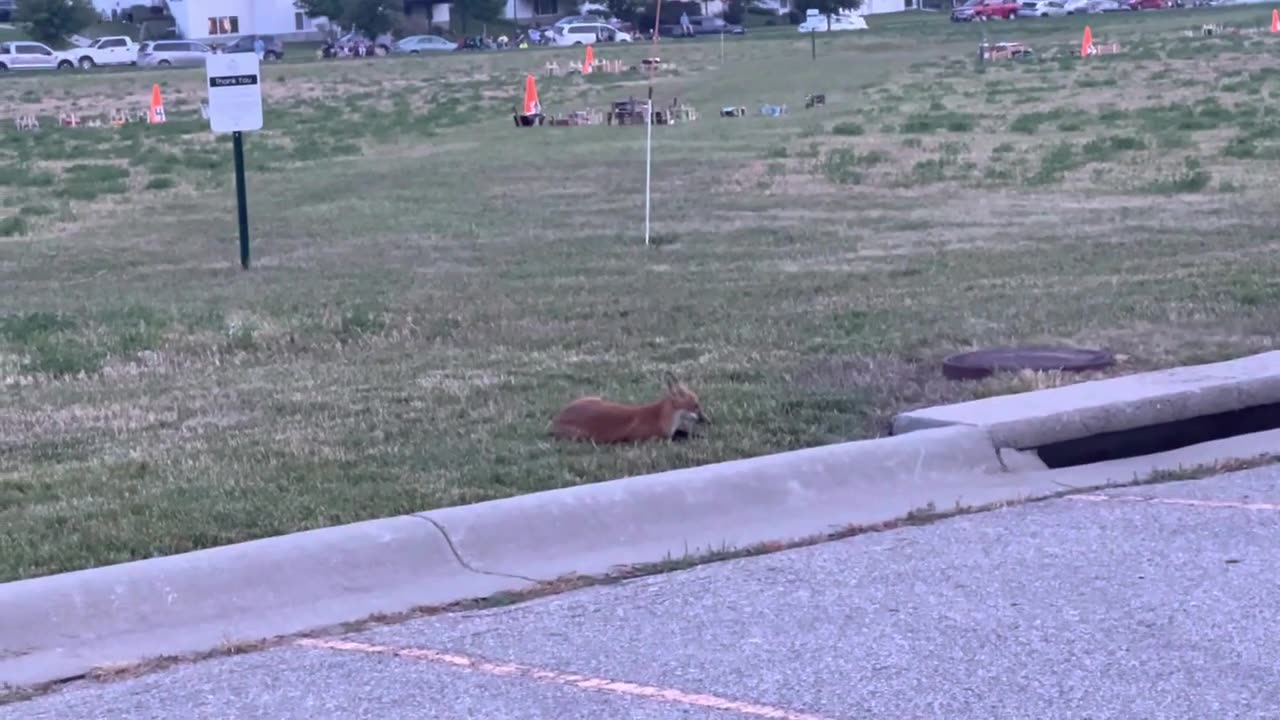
1162, 437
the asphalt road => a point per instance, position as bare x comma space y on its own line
1094, 607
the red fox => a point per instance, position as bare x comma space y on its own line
597, 420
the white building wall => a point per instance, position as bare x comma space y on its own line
181, 18
441, 14
252, 17
876, 7
869, 7
280, 17
217, 19
518, 9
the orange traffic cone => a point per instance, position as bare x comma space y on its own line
532, 106
1275, 21
1086, 43
589, 61
156, 116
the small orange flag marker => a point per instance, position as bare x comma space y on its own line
1086, 43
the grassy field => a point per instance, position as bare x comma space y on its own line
431, 284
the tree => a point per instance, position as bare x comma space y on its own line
625, 10
827, 7
332, 9
371, 17
483, 10
735, 11
52, 21
671, 11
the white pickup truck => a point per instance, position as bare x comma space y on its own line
111, 50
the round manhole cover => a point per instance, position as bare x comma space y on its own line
982, 363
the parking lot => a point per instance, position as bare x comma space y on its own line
1154, 602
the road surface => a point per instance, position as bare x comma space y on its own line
1152, 602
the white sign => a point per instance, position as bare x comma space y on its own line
235, 92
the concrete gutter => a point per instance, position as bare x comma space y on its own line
62, 626
1028, 420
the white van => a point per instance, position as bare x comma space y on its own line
588, 34
817, 22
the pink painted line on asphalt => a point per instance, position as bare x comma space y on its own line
1177, 501
556, 677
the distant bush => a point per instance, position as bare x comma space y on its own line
929, 122
847, 128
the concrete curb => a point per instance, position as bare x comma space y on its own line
1070, 412
61, 626
591, 529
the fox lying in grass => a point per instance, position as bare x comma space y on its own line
596, 420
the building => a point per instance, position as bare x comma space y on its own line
226, 19
876, 7
869, 7
522, 12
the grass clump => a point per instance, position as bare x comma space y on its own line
13, 226
1028, 123
848, 128
1192, 177
928, 122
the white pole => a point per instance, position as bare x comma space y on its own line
648, 162
721, 47
648, 124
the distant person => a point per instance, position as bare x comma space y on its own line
685, 28
260, 48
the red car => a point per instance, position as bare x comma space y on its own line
985, 10
1147, 4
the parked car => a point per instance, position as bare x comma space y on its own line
379, 46
113, 50
579, 19
7, 8
1076, 7
418, 44
244, 44
1106, 6
1146, 4
703, 25
1042, 8
985, 10
588, 34
176, 53
815, 22
30, 55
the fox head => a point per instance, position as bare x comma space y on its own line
685, 403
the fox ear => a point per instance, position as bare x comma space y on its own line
670, 379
